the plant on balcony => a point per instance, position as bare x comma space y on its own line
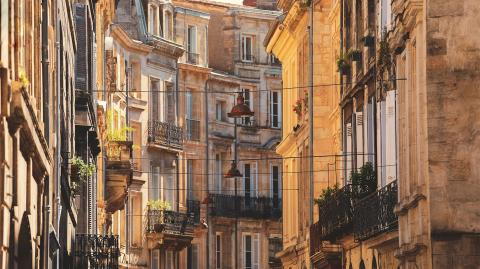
384, 53
343, 65
365, 179
159, 205
305, 3
354, 55
22, 75
327, 195
80, 171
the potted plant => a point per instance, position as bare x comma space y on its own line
326, 196
364, 180
354, 55
159, 205
79, 172
343, 66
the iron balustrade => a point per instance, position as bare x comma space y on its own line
193, 208
96, 251
169, 222
336, 215
245, 207
165, 134
193, 130
374, 214
193, 58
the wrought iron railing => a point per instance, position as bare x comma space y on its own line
336, 215
193, 208
374, 214
245, 207
165, 134
96, 251
169, 222
193, 58
193, 130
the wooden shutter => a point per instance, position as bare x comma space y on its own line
81, 53
256, 251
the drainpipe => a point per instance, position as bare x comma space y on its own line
310, 114
207, 164
46, 122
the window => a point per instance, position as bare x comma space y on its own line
247, 95
276, 101
275, 185
251, 253
218, 251
169, 261
190, 194
218, 173
155, 93
192, 124
192, 253
247, 48
162, 181
135, 219
155, 259
153, 20
167, 27
220, 110
249, 181
170, 102
274, 246
192, 56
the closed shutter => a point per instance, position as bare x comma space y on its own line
390, 137
154, 184
254, 180
348, 151
359, 139
81, 53
256, 251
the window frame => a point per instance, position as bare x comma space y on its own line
243, 41
218, 250
279, 109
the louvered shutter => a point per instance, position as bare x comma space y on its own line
81, 53
348, 152
254, 180
256, 251
390, 136
359, 138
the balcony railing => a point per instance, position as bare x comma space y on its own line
165, 134
169, 222
96, 251
336, 215
193, 208
193, 58
193, 130
374, 214
245, 207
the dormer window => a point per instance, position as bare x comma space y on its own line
153, 26
167, 25
160, 21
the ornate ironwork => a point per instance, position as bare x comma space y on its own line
374, 214
193, 208
336, 215
165, 134
96, 251
248, 207
170, 222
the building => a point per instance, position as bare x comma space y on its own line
289, 41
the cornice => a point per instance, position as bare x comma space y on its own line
122, 37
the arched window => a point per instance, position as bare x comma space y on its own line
362, 265
374, 262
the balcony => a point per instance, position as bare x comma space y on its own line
193, 58
165, 134
119, 171
96, 251
172, 230
193, 130
374, 214
248, 207
193, 208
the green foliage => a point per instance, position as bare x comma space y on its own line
327, 195
80, 172
366, 178
354, 54
159, 205
342, 63
384, 51
115, 134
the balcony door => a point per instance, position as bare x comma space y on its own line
162, 185
251, 251
275, 185
250, 184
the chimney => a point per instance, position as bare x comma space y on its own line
252, 3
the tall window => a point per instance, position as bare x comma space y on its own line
135, 219
276, 112
169, 261
192, 56
153, 19
170, 102
192, 259
155, 259
190, 195
218, 251
218, 173
167, 27
247, 95
220, 110
162, 182
249, 181
155, 93
247, 48
276, 186
251, 253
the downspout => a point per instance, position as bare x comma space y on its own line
207, 177
57, 138
46, 122
310, 114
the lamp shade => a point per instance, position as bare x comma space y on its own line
233, 172
240, 110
